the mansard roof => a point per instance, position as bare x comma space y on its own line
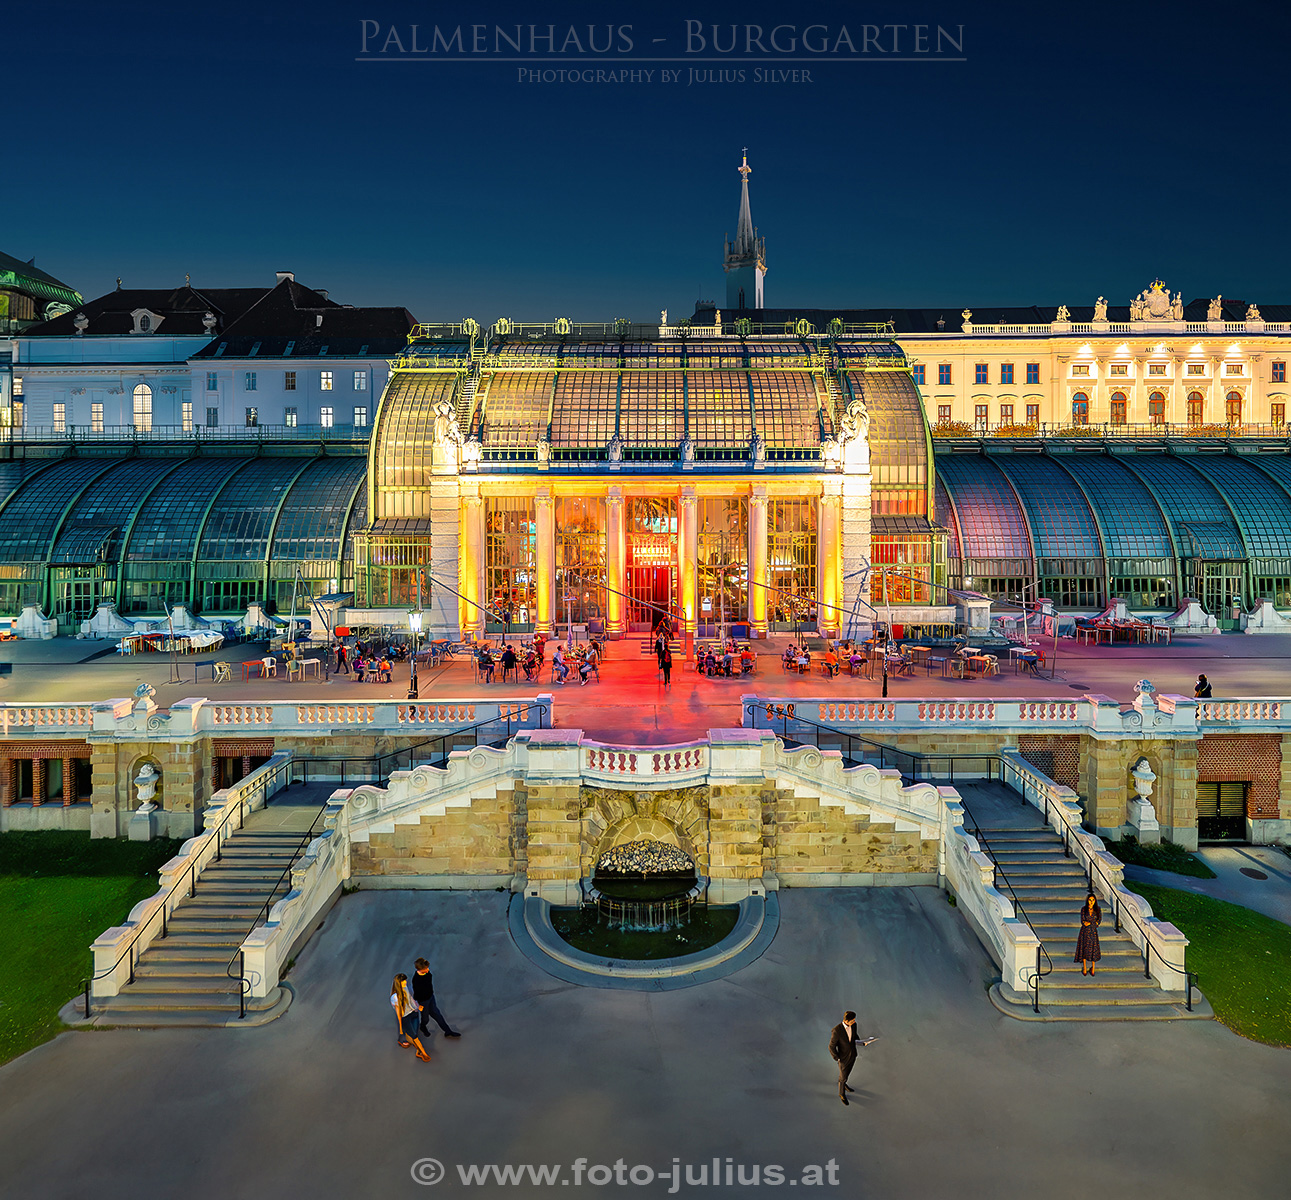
28, 278
181, 310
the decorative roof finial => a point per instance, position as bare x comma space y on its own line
744, 168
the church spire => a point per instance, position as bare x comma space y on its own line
745, 259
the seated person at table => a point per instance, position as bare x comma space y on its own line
508, 660
486, 665
831, 661
728, 657
384, 667
710, 664
746, 661
530, 664
360, 668
539, 644
791, 657
804, 661
558, 664
589, 663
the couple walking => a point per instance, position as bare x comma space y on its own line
414, 1005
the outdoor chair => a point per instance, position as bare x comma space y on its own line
294, 669
223, 674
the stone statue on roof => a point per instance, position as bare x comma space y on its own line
757, 448
543, 447
663, 316
614, 449
1253, 314
1215, 309
445, 434
854, 436
1100, 309
1176, 306
1064, 314
686, 449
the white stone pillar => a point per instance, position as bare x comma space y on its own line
615, 564
759, 575
544, 511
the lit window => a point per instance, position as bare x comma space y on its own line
1006, 414
187, 410
1119, 369
1234, 369
943, 374
360, 417
17, 385
289, 418
212, 418
920, 373
943, 413
1080, 368
1033, 372
325, 418
1080, 409
1156, 408
1196, 408
1279, 372
1233, 408
249, 384
325, 381
1278, 414
1118, 408
143, 407
1196, 368
96, 417
212, 381
1033, 414
1156, 368
252, 418
981, 373
60, 418
1006, 372
981, 415
289, 381
360, 381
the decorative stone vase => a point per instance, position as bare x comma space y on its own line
1142, 815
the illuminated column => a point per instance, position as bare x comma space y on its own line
473, 565
615, 562
829, 552
758, 573
544, 510
687, 553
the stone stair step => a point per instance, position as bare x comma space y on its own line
185, 985
215, 967
135, 1000
1149, 993
1166, 1008
186, 958
209, 924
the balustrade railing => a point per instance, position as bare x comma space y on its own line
646, 762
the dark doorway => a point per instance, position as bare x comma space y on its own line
1221, 811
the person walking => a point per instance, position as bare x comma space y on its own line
1088, 951
660, 645
423, 992
665, 664
843, 1043
407, 1015
1202, 690
342, 660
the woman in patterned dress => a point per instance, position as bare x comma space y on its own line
1087, 948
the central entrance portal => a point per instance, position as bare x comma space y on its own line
651, 560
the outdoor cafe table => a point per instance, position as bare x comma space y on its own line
919, 654
1096, 633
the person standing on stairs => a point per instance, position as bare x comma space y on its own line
1087, 948
407, 1015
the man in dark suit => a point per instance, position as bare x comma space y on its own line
843, 1042
423, 992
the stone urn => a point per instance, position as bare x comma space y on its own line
1142, 814
144, 820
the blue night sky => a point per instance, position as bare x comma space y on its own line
1079, 150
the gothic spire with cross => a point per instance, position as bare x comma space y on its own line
745, 259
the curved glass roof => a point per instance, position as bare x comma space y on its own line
516, 404
652, 409
401, 440
898, 428
945, 517
1263, 507
991, 524
583, 408
29, 519
170, 519
1062, 524
242, 516
1204, 527
1132, 522
313, 519
107, 504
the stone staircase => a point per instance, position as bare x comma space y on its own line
183, 978
1050, 889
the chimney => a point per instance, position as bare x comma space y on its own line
283, 276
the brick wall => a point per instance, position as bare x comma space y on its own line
1057, 755
1250, 757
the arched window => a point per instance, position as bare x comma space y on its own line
1080, 409
1196, 408
1118, 408
145, 324
143, 407
1156, 408
1233, 408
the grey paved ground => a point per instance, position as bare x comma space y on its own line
955, 1100
1270, 896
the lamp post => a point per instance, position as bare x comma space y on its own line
414, 626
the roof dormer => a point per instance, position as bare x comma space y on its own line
145, 320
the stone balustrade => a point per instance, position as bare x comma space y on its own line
682, 763
22, 720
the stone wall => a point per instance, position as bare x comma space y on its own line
1104, 785
182, 794
611, 817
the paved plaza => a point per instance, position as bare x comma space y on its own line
954, 1100
630, 705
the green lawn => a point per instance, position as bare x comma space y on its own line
1162, 856
58, 892
1242, 960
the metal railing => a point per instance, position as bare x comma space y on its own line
188, 878
337, 435
1169, 431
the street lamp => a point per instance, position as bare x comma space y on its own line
414, 627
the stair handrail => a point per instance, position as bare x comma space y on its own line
239, 956
1086, 858
515, 714
189, 876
